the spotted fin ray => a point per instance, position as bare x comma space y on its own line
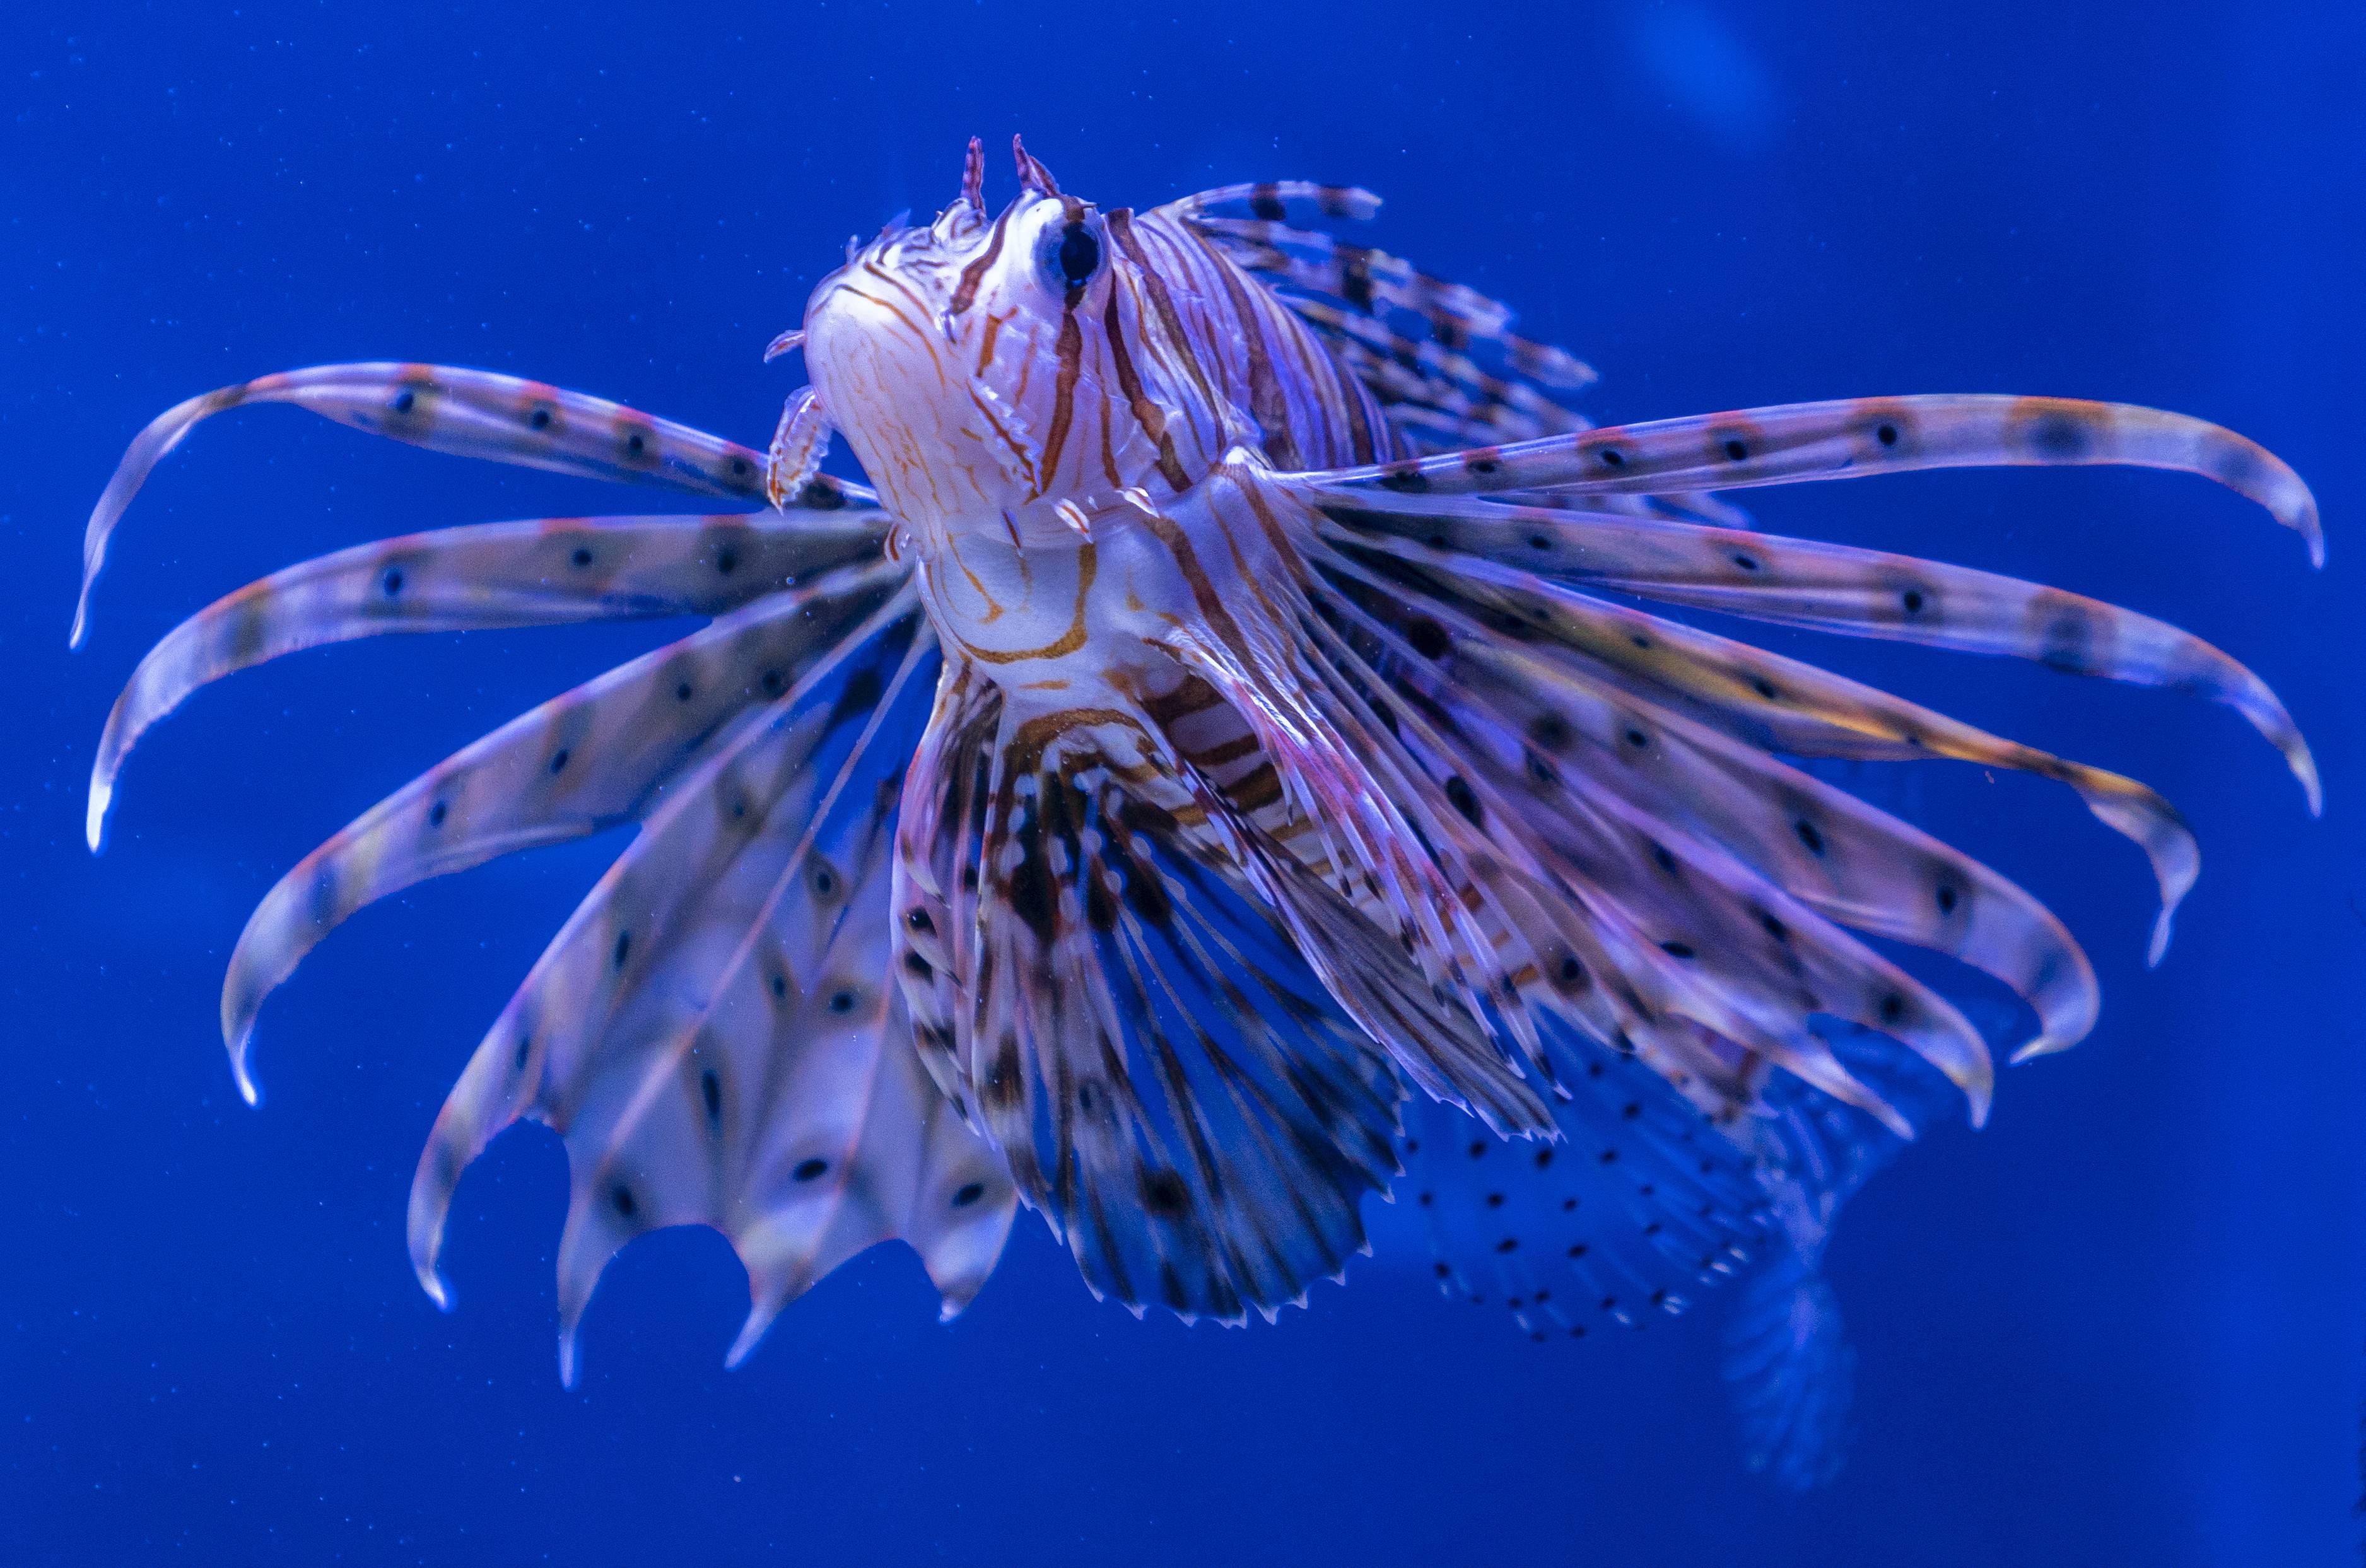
1558, 741
1720, 943
1510, 666
1672, 924
548, 573
1834, 588
1667, 672
593, 758
471, 413
1858, 438
712, 1033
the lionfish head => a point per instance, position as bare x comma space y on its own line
946, 353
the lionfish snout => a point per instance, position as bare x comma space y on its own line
943, 352
893, 388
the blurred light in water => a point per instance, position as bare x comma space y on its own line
1709, 72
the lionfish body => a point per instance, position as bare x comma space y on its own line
1211, 781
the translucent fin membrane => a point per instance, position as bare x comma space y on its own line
715, 1033
1641, 1205
1793, 1373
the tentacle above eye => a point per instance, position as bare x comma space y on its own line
546, 572
470, 413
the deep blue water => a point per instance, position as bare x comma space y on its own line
2124, 1322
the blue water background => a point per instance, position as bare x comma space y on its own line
2123, 1324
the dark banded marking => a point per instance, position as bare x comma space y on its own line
1267, 404
1087, 567
1147, 413
973, 274
1182, 345
1070, 351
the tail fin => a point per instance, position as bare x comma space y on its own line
1787, 1352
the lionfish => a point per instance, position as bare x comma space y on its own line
1220, 768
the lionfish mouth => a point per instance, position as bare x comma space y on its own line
890, 383
882, 349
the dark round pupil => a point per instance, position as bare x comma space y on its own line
1080, 255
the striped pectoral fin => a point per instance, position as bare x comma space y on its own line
1422, 868
1167, 1082
1726, 943
499, 574
715, 1034
1567, 752
1783, 704
643, 948
1579, 883
472, 413
1833, 587
1718, 941
1328, 826
1742, 956
1769, 957
1855, 438
597, 756
1562, 948
1438, 1041
937, 871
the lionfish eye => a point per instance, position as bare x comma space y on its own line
1069, 255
